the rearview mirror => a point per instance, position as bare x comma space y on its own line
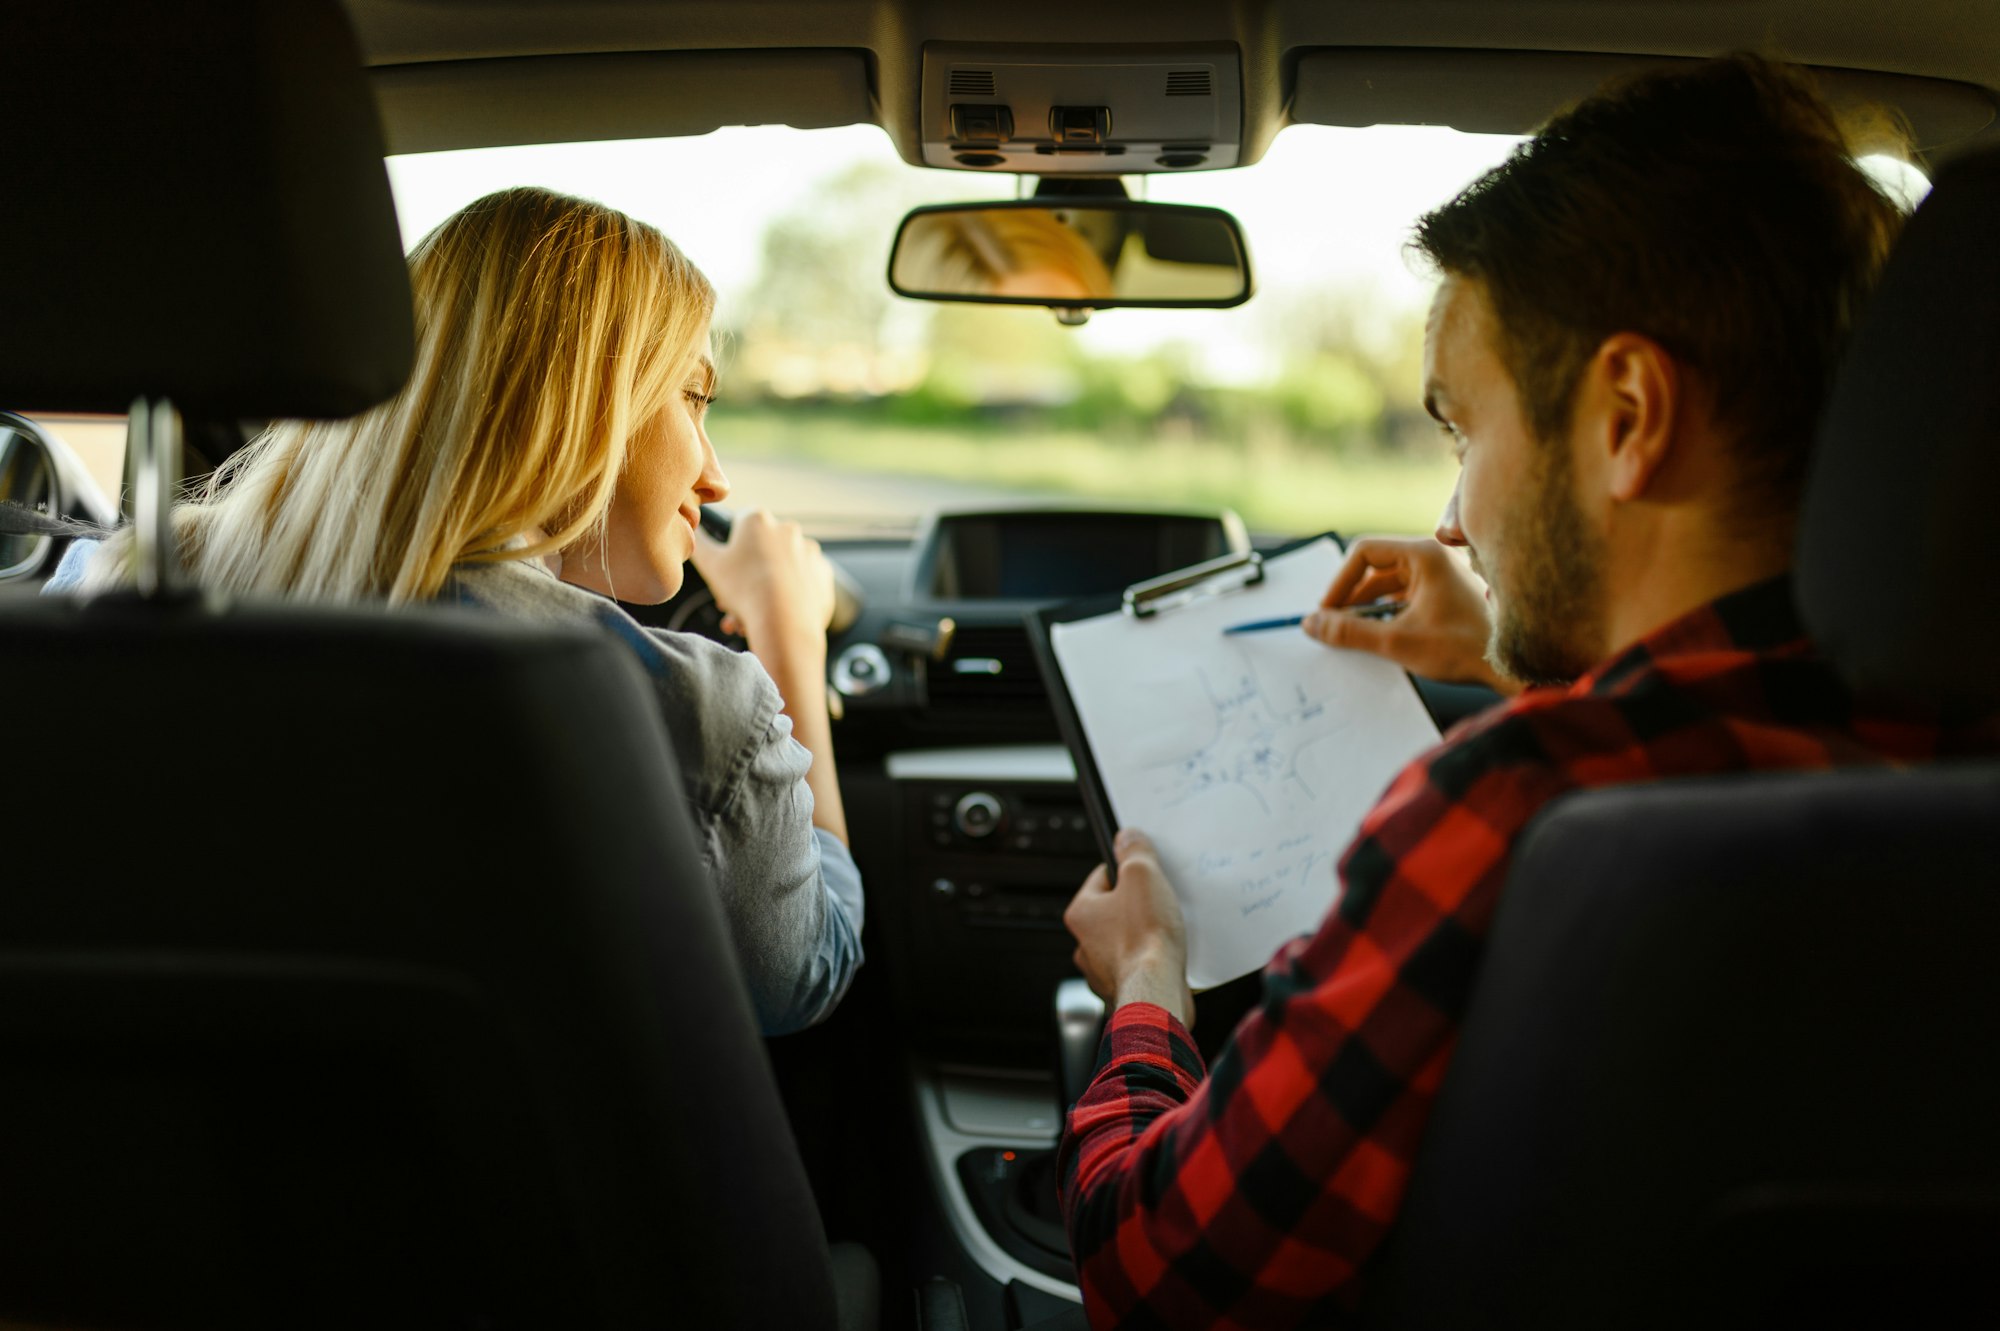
1073, 256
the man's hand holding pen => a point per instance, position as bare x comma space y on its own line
1442, 623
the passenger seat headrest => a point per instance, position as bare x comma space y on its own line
1899, 548
195, 208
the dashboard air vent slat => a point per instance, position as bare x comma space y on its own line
1188, 83
987, 664
972, 83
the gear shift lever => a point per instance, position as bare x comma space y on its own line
1079, 1025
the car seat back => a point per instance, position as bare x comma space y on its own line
1730, 1061
432, 1021
428, 1017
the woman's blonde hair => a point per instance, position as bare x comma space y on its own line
972, 253
549, 329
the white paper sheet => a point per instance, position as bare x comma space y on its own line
1250, 759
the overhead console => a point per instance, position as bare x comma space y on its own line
1065, 110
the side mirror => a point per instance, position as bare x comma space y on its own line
30, 501
1076, 256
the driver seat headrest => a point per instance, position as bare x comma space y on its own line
196, 208
1899, 552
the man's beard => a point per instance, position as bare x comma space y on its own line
1548, 587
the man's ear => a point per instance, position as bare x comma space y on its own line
1638, 389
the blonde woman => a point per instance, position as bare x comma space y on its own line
547, 453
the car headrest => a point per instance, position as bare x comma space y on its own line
195, 208
1899, 552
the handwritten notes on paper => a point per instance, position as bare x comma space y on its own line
1250, 760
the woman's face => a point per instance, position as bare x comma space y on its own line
670, 472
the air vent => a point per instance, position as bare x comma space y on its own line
987, 665
979, 83
1188, 83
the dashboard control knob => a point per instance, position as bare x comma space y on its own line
860, 670
977, 815
932, 640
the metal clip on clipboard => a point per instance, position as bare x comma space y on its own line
1211, 577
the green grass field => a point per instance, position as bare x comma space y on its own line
1274, 489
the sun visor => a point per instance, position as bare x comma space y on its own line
195, 208
627, 95
1512, 92
1899, 556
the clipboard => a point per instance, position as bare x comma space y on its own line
1329, 754
1142, 600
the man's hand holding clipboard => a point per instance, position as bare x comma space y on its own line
1131, 938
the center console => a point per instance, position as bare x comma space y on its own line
994, 844
978, 840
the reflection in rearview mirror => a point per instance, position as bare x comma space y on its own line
1086, 255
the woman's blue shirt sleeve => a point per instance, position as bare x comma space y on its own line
71, 568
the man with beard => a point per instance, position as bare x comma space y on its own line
1640, 314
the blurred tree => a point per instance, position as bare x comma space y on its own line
1330, 397
1351, 366
986, 354
820, 317
821, 277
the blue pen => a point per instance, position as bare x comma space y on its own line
1260, 625
1373, 610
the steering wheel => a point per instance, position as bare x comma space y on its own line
693, 609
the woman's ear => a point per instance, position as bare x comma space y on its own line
1639, 389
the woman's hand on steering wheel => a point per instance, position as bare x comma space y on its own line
768, 578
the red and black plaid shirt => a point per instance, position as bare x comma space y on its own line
1252, 1198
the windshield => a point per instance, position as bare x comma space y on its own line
856, 410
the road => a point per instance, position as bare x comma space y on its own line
815, 492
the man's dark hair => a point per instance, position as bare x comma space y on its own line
1715, 209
